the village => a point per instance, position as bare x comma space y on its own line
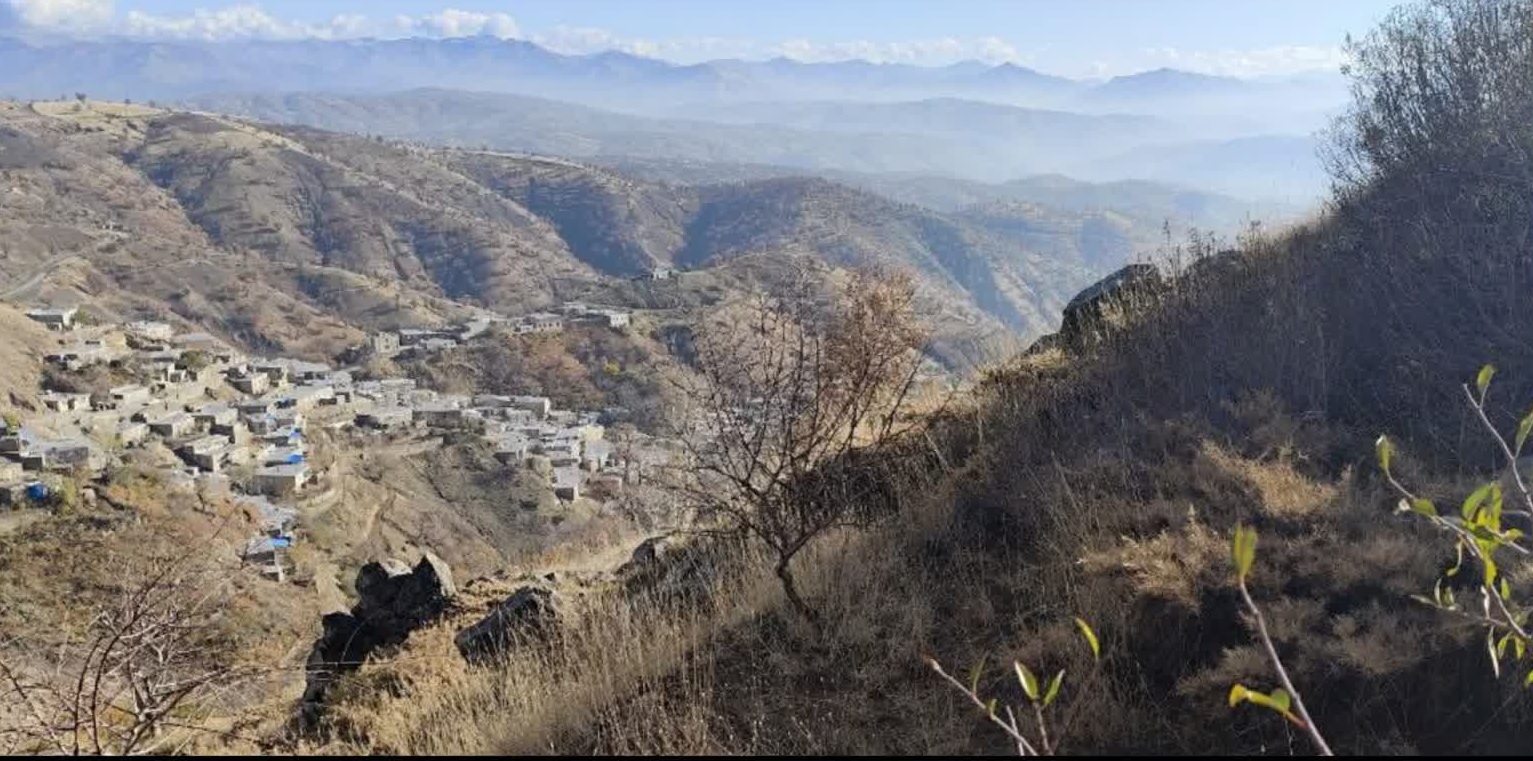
216, 420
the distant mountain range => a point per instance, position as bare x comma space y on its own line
939, 137
126, 68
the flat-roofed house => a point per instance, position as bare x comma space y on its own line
129, 395
280, 480
172, 426
212, 416
386, 418
209, 453
59, 401
79, 356
55, 318
567, 483
537, 405
541, 322
131, 434
148, 330
252, 383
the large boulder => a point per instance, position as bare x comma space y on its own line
393, 600
677, 566
531, 612
1089, 313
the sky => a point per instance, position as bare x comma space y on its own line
1080, 38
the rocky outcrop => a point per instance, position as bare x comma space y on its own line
1090, 312
393, 600
531, 612
676, 566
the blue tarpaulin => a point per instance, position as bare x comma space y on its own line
37, 491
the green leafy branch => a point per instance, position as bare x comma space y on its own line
1479, 533
1041, 695
1285, 700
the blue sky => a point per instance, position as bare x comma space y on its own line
1072, 37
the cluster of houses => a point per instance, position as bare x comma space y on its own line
414, 341
238, 423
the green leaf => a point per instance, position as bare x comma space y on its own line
1386, 451
990, 707
1482, 381
1243, 550
1091, 638
1490, 572
974, 674
1519, 646
1476, 498
1238, 694
1524, 428
1419, 505
1504, 588
1278, 700
1053, 691
1029, 682
1529, 680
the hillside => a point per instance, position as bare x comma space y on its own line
1111, 478
254, 231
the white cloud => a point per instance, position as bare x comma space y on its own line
248, 20
455, 23
65, 15
1282, 59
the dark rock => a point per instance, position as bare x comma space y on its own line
676, 566
530, 612
392, 601
1084, 315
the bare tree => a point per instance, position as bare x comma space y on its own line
796, 399
145, 678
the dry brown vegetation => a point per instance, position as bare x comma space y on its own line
1105, 484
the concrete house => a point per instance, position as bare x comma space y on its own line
541, 322
567, 483
283, 437
59, 401
149, 331
209, 453
440, 415
596, 455
252, 383
280, 480
79, 356
305, 398
129, 395
55, 318
212, 416
386, 418
512, 449
174, 425
537, 405
438, 344
67, 454
383, 344
204, 342
292, 455
131, 434
256, 407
